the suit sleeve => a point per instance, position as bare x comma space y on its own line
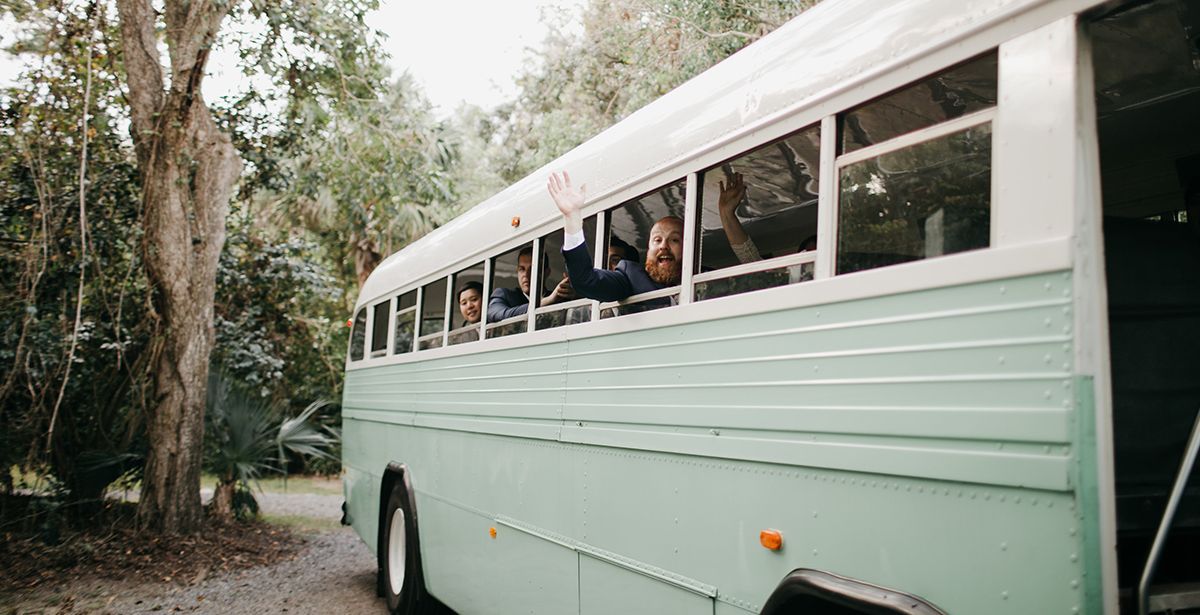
594, 283
499, 308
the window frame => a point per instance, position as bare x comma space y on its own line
388, 308
397, 313
421, 299
479, 327
778, 262
688, 214
904, 141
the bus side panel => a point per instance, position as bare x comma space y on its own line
514, 572
478, 434
606, 589
922, 441
361, 490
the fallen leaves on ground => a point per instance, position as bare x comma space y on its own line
116, 549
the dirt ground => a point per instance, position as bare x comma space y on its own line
299, 561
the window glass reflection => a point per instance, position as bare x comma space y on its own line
379, 328
358, 335
406, 321
761, 205
433, 314
963, 89
927, 200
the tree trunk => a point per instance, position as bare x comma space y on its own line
222, 502
366, 258
188, 169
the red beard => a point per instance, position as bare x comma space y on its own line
666, 273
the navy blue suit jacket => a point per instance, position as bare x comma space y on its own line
506, 303
630, 278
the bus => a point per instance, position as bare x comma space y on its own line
956, 373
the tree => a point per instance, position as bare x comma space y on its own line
371, 177
188, 169
629, 53
72, 327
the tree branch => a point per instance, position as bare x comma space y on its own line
83, 241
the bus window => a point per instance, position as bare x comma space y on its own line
433, 315
917, 202
466, 305
926, 195
358, 335
630, 224
766, 214
559, 304
505, 293
379, 328
406, 316
963, 89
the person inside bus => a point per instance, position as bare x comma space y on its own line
619, 251
470, 302
664, 254
509, 302
742, 245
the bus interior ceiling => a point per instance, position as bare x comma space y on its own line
1146, 58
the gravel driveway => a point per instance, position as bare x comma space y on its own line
333, 573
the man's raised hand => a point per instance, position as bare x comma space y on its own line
568, 199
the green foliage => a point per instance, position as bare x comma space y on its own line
42, 260
368, 178
629, 53
278, 319
247, 438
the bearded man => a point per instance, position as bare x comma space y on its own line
664, 254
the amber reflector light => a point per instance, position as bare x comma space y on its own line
771, 539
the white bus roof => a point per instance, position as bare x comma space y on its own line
825, 51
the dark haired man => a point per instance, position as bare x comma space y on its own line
509, 302
619, 251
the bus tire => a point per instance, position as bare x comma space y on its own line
400, 570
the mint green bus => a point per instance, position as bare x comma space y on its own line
930, 345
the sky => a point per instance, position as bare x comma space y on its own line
457, 51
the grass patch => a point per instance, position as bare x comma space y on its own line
319, 485
299, 522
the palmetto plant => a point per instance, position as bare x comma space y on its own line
244, 441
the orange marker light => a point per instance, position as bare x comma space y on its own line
349, 322
492, 531
516, 221
771, 539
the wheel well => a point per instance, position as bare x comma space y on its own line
395, 473
816, 592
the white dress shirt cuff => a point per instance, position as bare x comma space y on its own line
572, 240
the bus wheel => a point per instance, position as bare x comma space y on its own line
401, 572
